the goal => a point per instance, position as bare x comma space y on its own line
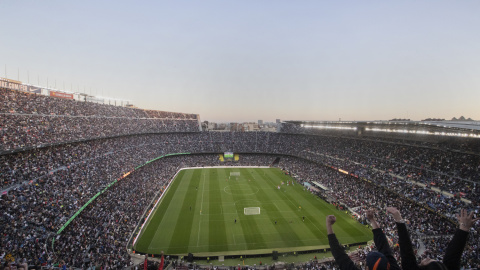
251, 211
234, 173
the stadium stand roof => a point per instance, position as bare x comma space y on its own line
403, 129
466, 129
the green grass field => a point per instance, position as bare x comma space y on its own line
197, 215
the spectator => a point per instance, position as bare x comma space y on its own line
383, 259
453, 253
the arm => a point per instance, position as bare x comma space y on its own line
409, 261
457, 245
341, 258
372, 219
381, 241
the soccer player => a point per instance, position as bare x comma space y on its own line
303, 218
235, 221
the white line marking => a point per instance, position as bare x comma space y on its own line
201, 207
314, 241
203, 191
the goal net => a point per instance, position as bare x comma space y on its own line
251, 211
234, 173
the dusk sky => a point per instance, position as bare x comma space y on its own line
251, 60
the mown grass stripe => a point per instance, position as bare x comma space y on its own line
234, 231
286, 222
242, 198
218, 239
214, 231
181, 234
157, 217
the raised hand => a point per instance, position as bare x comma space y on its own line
370, 214
466, 220
395, 213
331, 220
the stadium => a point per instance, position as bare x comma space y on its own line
239, 135
80, 187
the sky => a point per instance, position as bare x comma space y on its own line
254, 60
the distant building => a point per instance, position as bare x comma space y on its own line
251, 127
399, 120
278, 121
212, 126
242, 127
235, 127
433, 119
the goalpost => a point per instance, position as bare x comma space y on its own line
251, 211
234, 173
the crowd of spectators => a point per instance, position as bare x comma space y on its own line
34, 212
21, 131
43, 187
349, 192
30, 103
30, 120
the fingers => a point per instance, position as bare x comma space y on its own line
370, 212
471, 217
331, 219
464, 214
466, 217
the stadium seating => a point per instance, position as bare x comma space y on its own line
65, 152
30, 120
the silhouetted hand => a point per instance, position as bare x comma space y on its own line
331, 220
466, 220
395, 213
370, 214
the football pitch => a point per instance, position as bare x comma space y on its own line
203, 212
